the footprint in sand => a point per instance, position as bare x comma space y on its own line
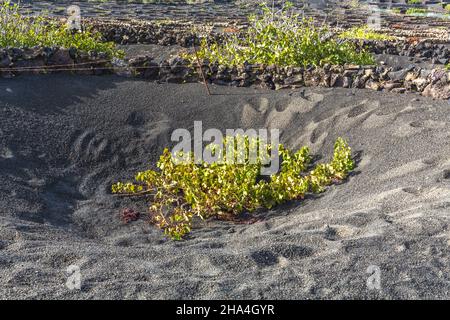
149, 132
254, 111
88, 147
411, 167
277, 113
428, 124
334, 233
319, 134
136, 118
359, 109
6, 153
284, 117
446, 174
264, 258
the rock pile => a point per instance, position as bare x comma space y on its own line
428, 50
147, 33
36, 60
433, 83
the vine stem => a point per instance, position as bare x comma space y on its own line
137, 194
201, 69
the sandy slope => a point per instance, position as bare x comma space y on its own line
65, 139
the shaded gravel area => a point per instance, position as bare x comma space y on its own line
64, 140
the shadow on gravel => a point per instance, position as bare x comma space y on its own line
38, 94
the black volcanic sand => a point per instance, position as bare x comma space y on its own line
201, 10
65, 139
237, 11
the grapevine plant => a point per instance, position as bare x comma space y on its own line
364, 33
416, 11
180, 191
22, 31
283, 38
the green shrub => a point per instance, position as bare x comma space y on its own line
414, 2
282, 38
364, 33
447, 7
178, 192
414, 11
17, 30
